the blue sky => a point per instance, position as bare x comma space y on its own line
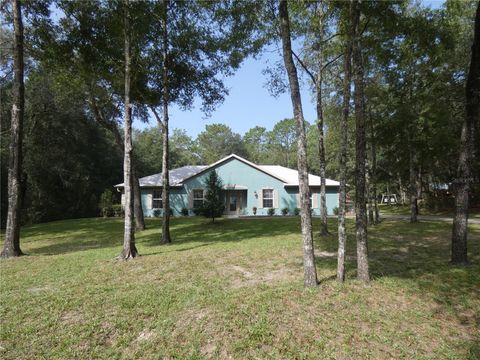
249, 103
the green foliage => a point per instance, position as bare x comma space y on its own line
184, 211
106, 202
148, 150
118, 210
68, 160
296, 211
271, 212
182, 149
284, 141
218, 141
158, 212
415, 81
256, 142
335, 210
285, 211
213, 205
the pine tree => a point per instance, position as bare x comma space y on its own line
213, 205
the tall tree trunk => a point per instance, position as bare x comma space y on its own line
137, 194
401, 189
137, 201
374, 172
342, 198
360, 189
413, 186
418, 185
321, 150
129, 250
11, 246
321, 132
166, 239
467, 152
111, 126
310, 271
368, 184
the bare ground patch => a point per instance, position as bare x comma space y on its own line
244, 278
72, 317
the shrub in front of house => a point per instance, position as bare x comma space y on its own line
271, 212
285, 211
105, 203
158, 212
117, 210
296, 211
184, 211
335, 210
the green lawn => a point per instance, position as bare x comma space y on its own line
234, 289
405, 210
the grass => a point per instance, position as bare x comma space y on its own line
234, 289
405, 210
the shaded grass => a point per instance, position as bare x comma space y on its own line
235, 289
405, 210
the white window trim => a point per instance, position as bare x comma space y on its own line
157, 198
194, 198
264, 198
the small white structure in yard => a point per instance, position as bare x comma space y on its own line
389, 199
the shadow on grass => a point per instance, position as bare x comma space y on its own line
185, 231
415, 253
419, 254
69, 236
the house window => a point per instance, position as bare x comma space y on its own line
310, 200
197, 198
157, 199
267, 198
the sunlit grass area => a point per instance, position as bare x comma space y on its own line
234, 289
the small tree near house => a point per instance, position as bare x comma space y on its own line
106, 203
213, 205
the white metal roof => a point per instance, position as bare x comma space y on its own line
177, 176
290, 176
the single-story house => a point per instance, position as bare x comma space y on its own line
246, 185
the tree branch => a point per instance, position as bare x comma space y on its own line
107, 124
331, 62
159, 119
365, 27
331, 37
304, 67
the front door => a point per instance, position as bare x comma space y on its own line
233, 202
